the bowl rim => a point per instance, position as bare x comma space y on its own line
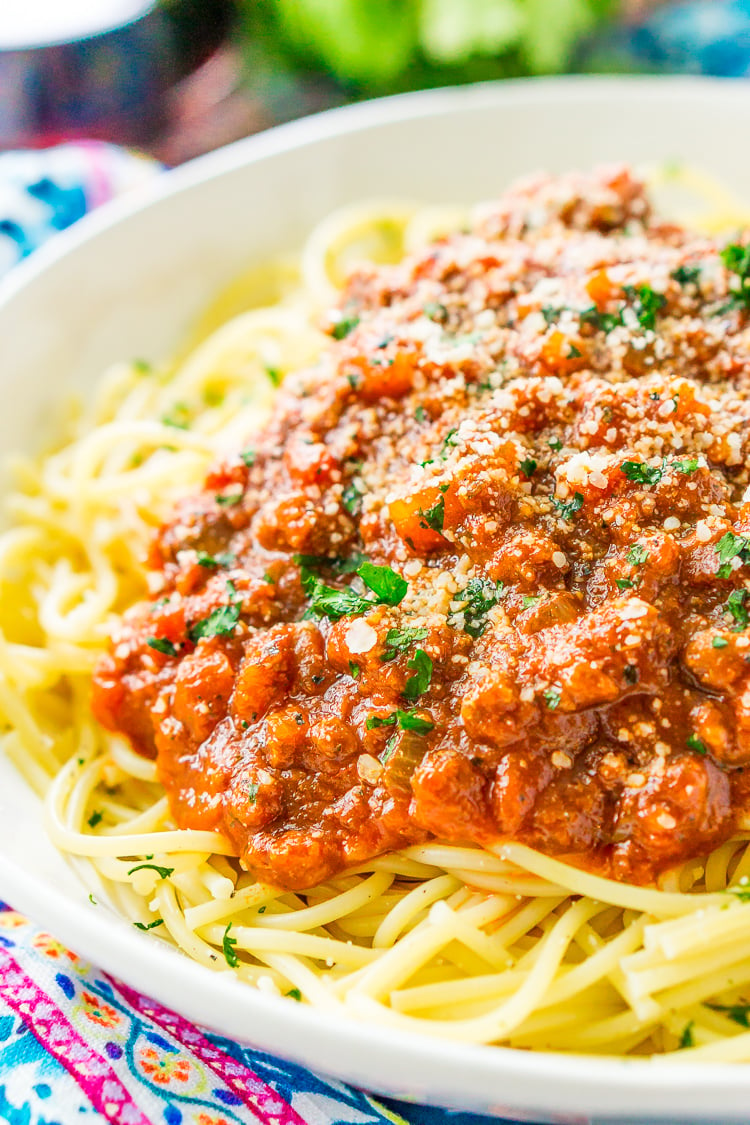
555, 1083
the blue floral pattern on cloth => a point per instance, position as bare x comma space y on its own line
77, 1045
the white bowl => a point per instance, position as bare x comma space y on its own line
127, 282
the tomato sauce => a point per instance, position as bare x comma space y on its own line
484, 573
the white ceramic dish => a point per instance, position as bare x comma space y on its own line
127, 282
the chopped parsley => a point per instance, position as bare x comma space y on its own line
646, 303
736, 1012
221, 622
637, 555
719, 642
530, 600
162, 645
686, 1039
420, 414
574, 353
388, 586
736, 258
344, 326
94, 819
696, 744
729, 547
351, 498
398, 640
406, 720
247, 457
740, 891
178, 416
604, 322
551, 698
228, 499
354, 670
449, 442
641, 473
252, 792
555, 444
226, 558
294, 994
274, 375
481, 595
162, 872
736, 607
149, 925
528, 467
625, 583
417, 684
227, 945
686, 275
566, 509
434, 517
388, 749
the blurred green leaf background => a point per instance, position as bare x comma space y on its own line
373, 47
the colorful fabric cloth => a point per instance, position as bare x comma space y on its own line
78, 1046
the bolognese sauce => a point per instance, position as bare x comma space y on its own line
484, 573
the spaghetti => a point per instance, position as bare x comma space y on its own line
495, 944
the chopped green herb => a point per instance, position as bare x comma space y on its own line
696, 744
630, 674
294, 994
149, 925
94, 819
690, 465
162, 645
641, 473
551, 698
228, 499
550, 314
92, 900
221, 622
344, 326
252, 792
646, 303
407, 720
736, 1012
729, 547
388, 749
604, 322
354, 670
351, 498
420, 414
141, 366
398, 640
178, 416
735, 605
555, 444
227, 944
686, 274
417, 684
481, 595
226, 558
530, 600
573, 353
274, 375
247, 456
528, 467
719, 642
736, 258
434, 517
162, 872
449, 442
624, 583
686, 1039
637, 555
740, 891
326, 601
567, 509
388, 586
